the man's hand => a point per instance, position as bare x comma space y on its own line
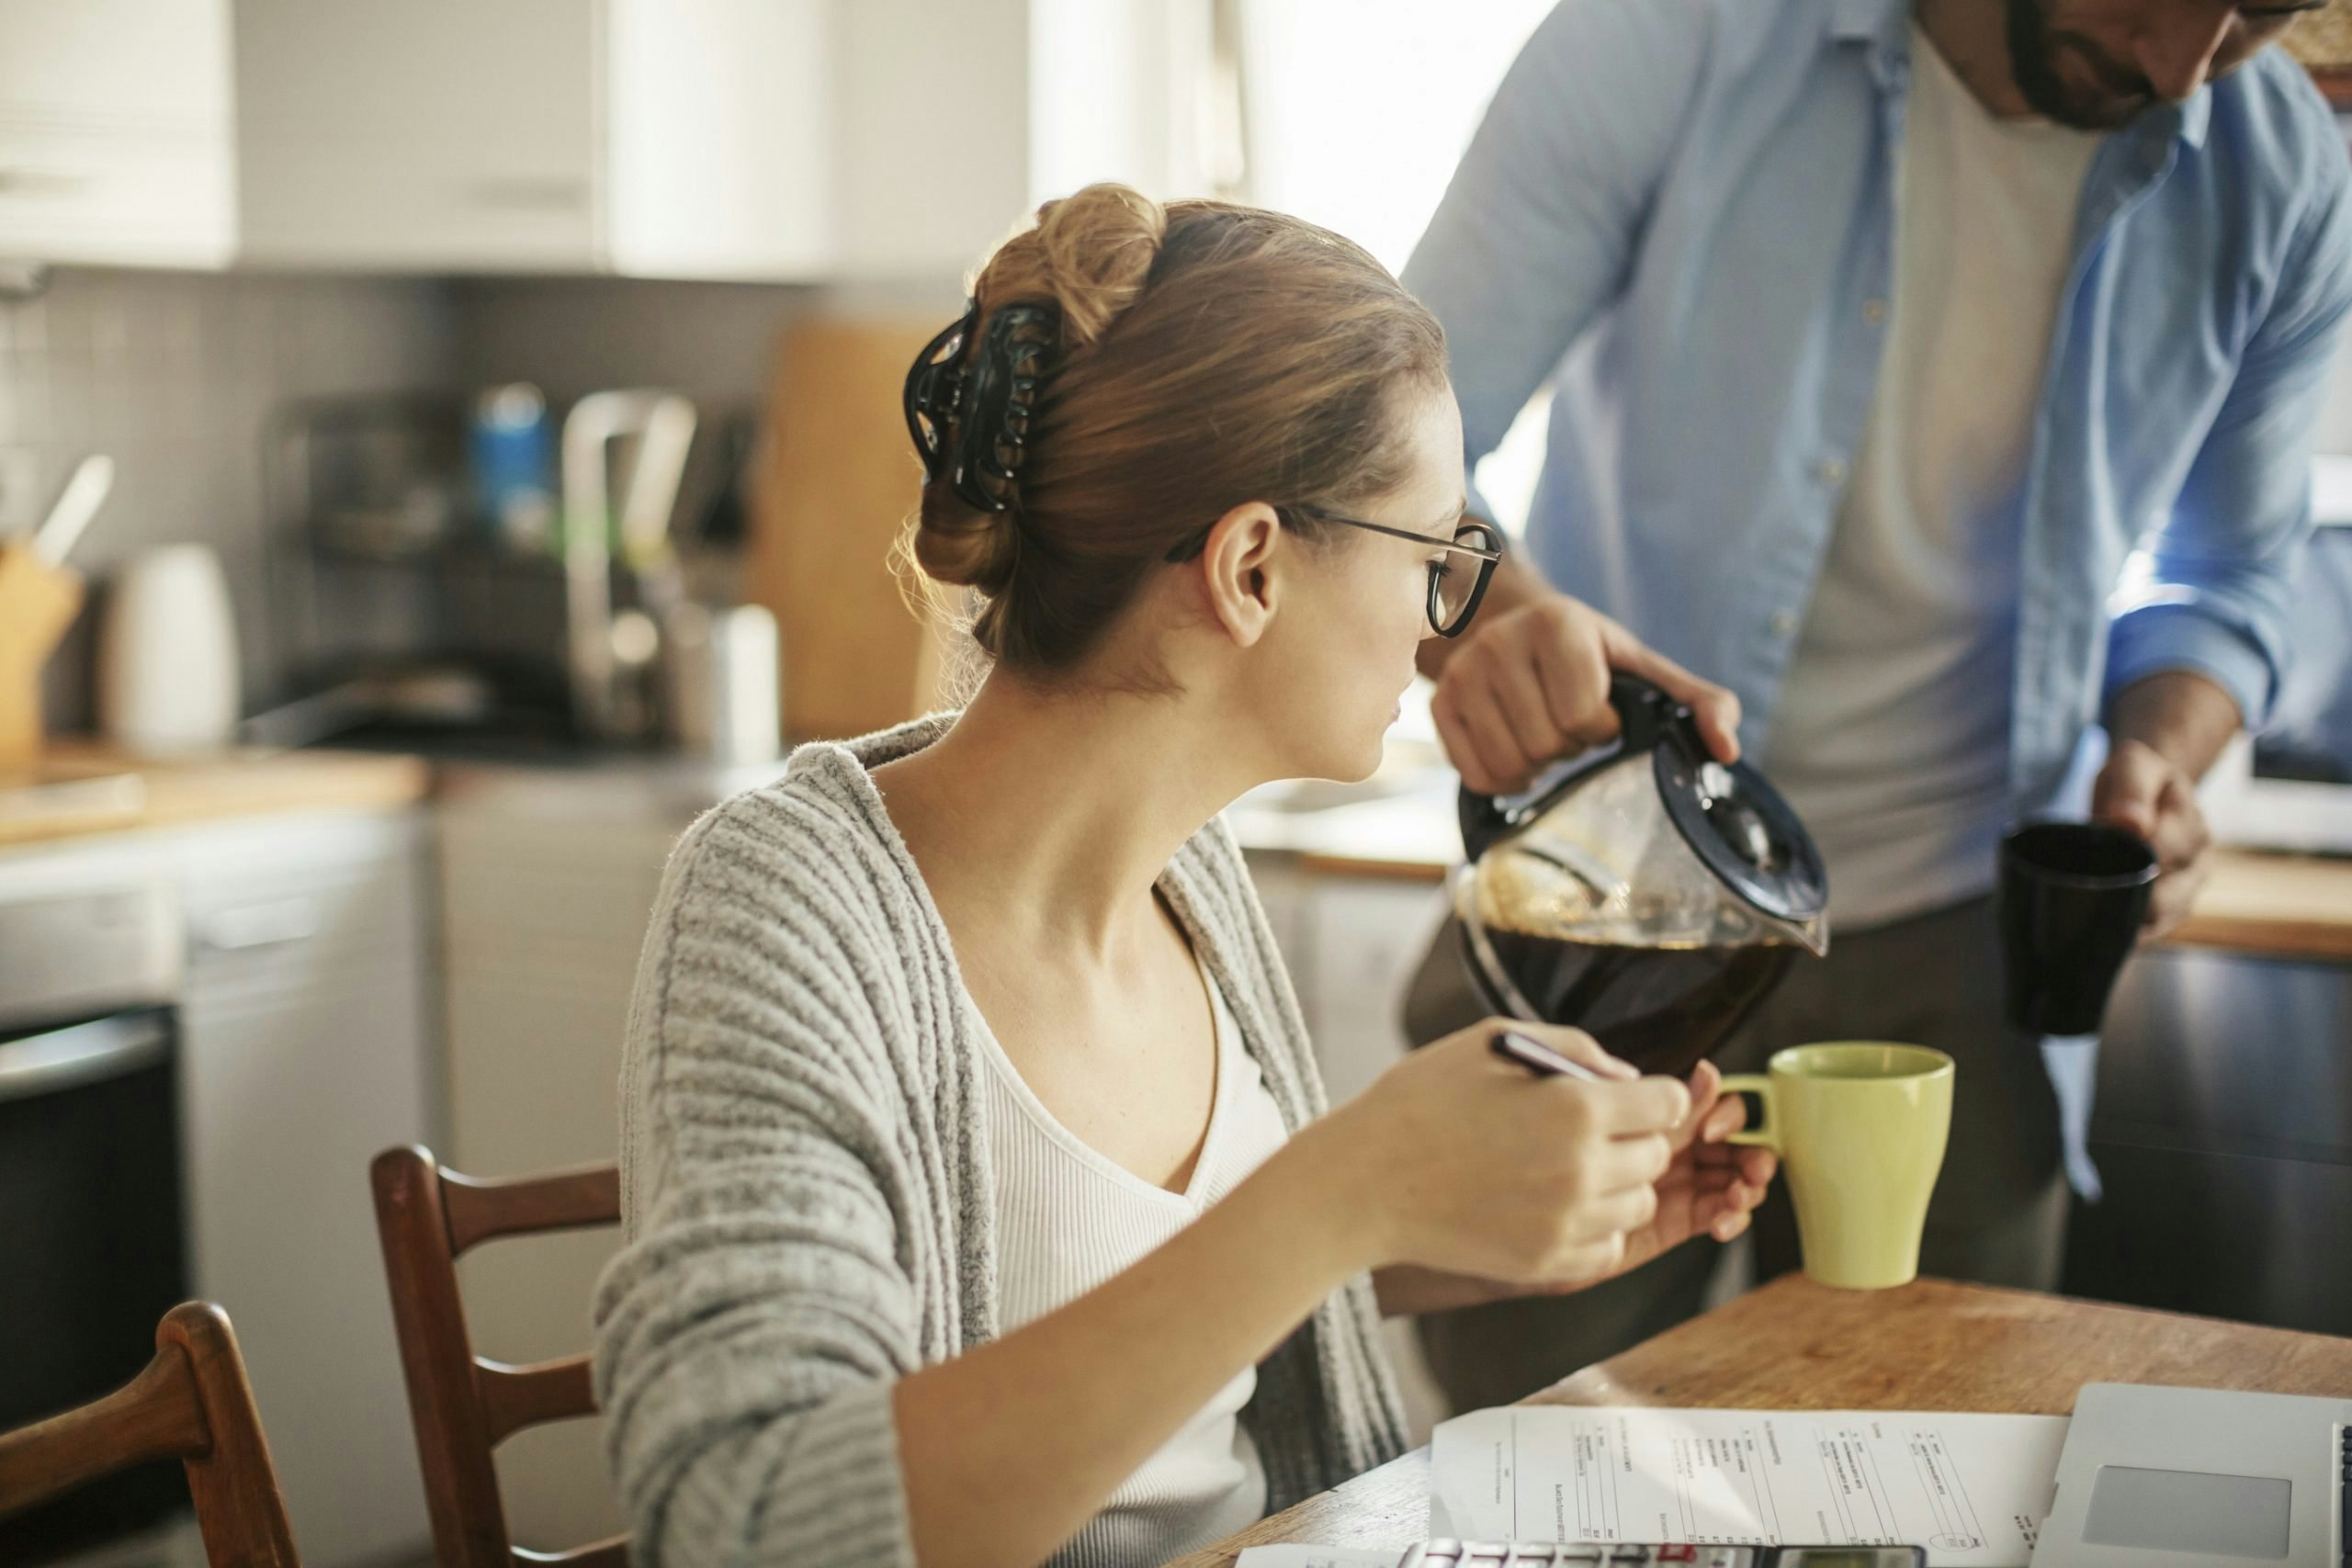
2142, 790
2163, 732
1530, 684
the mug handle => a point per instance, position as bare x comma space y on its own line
1769, 1132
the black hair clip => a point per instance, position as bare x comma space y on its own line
987, 404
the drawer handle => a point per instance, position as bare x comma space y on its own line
86, 1053
259, 925
42, 182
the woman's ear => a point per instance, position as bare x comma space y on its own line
1234, 570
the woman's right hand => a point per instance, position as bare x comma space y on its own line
1473, 1165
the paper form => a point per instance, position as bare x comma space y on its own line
1319, 1557
1972, 1489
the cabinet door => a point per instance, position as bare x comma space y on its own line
544, 916
718, 138
114, 131
1363, 938
425, 134
305, 1051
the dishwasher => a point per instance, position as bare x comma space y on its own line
93, 1225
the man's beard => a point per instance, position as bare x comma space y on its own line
2034, 62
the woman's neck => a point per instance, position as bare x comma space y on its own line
1061, 810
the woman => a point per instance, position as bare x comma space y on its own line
981, 1200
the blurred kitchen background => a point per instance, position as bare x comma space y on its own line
485, 418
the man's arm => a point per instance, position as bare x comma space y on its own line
2200, 647
2163, 732
1535, 237
1539, 227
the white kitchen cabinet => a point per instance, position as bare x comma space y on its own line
544, 911
1351, 943
669, 138
810, 140
115, 133
307, 1036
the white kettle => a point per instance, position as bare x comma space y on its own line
167, 654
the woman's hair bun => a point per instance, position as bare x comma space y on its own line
1089, 253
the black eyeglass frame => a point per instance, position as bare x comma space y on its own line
1488, 556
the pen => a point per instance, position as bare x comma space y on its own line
1539, 1056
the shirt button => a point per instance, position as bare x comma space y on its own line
1832, 470
1874, 312
1784, 623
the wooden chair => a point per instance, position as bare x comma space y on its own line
464, 1405
193, 1404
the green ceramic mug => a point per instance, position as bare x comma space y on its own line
1860, 1127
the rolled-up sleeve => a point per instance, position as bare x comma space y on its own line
1537, 228
2214, 599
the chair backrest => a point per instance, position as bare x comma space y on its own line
464, 1405
191, 1404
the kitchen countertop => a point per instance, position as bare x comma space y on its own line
1401, 825
2279, 905
81, 786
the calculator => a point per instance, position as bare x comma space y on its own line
1628, 1554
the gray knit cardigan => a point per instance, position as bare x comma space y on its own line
806, 1191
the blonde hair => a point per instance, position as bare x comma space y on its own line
1209, 354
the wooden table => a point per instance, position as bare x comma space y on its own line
1797, 1346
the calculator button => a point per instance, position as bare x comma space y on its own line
1580, 1554
1727, 1557
1631, 1554
1678, 1554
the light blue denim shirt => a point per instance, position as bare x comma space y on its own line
1684, 211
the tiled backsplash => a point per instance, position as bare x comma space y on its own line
176, 376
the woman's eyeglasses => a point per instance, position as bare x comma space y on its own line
1455, 587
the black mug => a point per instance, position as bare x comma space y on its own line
2074, 895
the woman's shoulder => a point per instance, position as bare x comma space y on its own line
818, 830
803, 875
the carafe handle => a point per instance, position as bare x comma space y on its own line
1644, 711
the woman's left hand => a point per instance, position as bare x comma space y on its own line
1712, 1186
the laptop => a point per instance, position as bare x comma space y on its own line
2200, 1478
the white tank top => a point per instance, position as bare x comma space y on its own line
1069, 1218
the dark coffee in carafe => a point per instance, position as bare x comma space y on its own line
1661, 1009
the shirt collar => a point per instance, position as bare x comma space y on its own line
1887, 24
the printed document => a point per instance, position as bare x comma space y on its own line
1972, 1489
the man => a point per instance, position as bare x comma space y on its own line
1882, 335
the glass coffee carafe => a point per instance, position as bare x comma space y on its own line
1647, 894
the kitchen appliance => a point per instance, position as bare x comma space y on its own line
90, 1204
2222, 1135
611, 655
167, 654
2200, 1478
1647, 894
720, 672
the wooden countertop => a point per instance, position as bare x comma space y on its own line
81, 787
2282, 905
1794, 1345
